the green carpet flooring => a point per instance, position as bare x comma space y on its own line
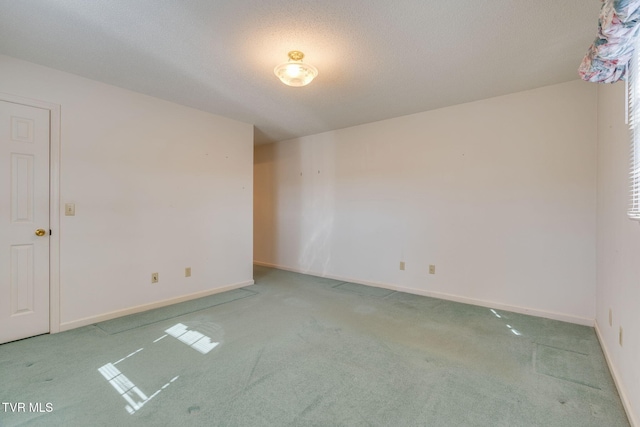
133, 321
296, 350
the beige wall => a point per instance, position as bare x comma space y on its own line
499, 194
157, 187
618, 284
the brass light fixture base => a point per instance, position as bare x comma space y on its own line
296, 55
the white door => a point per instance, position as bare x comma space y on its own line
24, 221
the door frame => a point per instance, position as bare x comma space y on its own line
54, 202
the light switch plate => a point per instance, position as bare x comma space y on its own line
70, 209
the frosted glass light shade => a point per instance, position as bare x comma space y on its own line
295, 72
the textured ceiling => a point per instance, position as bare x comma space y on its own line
377, 59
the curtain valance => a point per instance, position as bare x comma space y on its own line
608, 56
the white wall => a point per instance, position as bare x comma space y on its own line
618, 284
157, 187
499, 194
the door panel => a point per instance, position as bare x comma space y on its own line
21, 279
24, 208
22, 184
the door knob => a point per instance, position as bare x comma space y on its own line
40, 232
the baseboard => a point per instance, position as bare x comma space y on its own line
506, 307
144, 307
440, 295
633, 419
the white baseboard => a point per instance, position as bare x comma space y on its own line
449, 297
144, 307
633, 419
506, 307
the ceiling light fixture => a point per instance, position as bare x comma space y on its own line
295, 72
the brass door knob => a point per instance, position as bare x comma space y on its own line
40, 232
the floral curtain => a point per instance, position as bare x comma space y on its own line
608, 56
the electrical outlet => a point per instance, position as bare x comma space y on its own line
401, 265
610, 318
154, 277
187, 272
620, 336
432, 269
